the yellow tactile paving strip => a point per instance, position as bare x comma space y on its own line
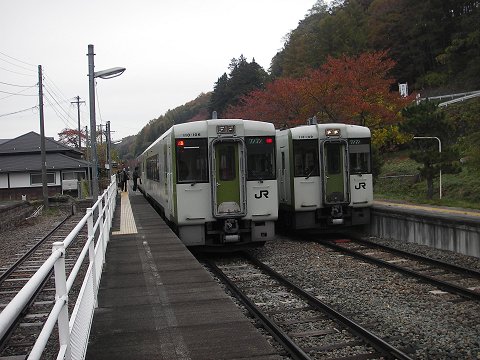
431, 208
127, 222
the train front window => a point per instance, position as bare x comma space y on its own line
359, 156
260, 158
226, 163
192, 164
305, 154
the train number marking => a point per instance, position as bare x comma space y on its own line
262, 194
361, 185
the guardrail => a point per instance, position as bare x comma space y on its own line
73, 331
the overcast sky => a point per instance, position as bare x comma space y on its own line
173, 51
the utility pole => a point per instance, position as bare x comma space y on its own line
42, 139
88, 159
78, 102
93, 123
109, 156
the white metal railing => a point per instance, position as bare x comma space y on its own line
73, 331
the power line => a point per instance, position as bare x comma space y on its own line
11, 57
19, 66
98, 104
55, 86
25, 86
16, 72
61, 116
68, 115
19, 111
18, 93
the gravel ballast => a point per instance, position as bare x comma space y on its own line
400, 309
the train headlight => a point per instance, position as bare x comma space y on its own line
225, 129
332, 132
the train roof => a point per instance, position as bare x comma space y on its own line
214, 128
319, 131
210, 128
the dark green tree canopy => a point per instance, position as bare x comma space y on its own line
434, 42
426, 120
243, 78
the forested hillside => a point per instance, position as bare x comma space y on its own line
343, 63
435, 43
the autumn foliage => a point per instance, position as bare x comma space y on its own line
353, 90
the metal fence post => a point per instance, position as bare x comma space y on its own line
101, 235
91, 251
61, 291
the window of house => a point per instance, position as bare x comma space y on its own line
36, 178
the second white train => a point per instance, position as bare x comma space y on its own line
324, 176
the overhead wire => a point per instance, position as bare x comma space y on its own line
98, 104
65, 120
19, 111
67, 117
16, 72
16, 85
11, 57
17, 93
19, 66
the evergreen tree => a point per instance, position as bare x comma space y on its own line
229, 89
427, 120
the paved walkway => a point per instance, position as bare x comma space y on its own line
157, 302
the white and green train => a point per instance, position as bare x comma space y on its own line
324, 176
214, 181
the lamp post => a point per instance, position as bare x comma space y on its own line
104, 74
439, 150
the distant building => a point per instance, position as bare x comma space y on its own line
21, 167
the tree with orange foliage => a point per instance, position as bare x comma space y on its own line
354, 90
69, 137
280, 103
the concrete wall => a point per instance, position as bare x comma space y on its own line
12, 215
443, 231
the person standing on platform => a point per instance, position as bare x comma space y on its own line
135, 178
124, 179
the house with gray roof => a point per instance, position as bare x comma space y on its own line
21, 167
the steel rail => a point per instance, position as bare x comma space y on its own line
293, 349
376, 342
25, 256
472, 295
452, 267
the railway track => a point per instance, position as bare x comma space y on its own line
22, 335
305, 326
445, 276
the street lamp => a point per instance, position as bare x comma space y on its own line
439, 150
104, 74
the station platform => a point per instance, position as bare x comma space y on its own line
156, 301
452, 214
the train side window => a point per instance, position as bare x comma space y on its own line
305, 154
360, 162
192, 163
152, 168
260, 158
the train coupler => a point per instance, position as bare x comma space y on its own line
231, 229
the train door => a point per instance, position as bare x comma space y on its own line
283, 177
335, 175
228, 178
